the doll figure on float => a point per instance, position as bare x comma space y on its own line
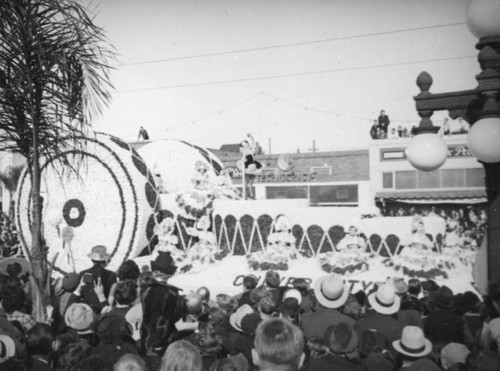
250, 166
352, 241
419, 241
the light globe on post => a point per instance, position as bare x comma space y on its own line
427, 151
484, 139
483, 17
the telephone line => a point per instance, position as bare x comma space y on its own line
309, 73
287, 45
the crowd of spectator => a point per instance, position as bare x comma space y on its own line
133, 319
9, 243
382, 129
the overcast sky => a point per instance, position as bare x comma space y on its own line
209, 71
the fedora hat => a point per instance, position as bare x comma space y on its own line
413, 342
442, 297
7, 347
99, 253
385, 300
293, 293
79, 316
331, 291
236, 318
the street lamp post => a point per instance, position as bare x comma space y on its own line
480, 107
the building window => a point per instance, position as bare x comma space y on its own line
334, 194
428, 179
474, 177
286, 192
387, 180
406, 179
453, 178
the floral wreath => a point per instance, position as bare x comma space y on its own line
68, 214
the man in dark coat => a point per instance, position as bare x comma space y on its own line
383, 122
331, 293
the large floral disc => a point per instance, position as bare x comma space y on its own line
108, 201
175, 161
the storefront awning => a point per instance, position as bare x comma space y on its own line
435, 197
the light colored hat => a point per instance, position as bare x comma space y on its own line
331, 291
413, 342
399, 285
236, 317
293, 293
7, 347
385, 300
79, 316
99, 253
453, 353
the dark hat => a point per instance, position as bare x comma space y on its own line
430, 285
164, 263
442, 298
290, 307
249, 323
341, 338
70, 281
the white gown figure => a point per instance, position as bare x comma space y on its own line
419, 241
352, 241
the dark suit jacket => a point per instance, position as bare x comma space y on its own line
388, 326
108, 279
314, 324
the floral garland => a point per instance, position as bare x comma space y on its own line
345, 262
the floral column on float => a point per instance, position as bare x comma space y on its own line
109, 199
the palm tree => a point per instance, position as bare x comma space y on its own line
54, 79
9, 177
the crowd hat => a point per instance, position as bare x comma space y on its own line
341, 338
79, 316
413, 342
164, 263
293, 293
70, 281
7, 347
236, 318
385, 300
442, 298
453, 353
99, 253
290, 307
331, 291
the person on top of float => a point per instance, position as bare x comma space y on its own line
352, 240
419, 239
251, 167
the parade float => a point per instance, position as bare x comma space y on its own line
174, 196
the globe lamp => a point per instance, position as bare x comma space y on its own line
427, 151
484, 139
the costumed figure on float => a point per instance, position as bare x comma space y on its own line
249, 165
351, 257
279, 250
419, 259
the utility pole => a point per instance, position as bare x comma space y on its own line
313, 149
269, 145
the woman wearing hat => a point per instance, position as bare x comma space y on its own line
413, 348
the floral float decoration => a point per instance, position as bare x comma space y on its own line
109, 201
280, 248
